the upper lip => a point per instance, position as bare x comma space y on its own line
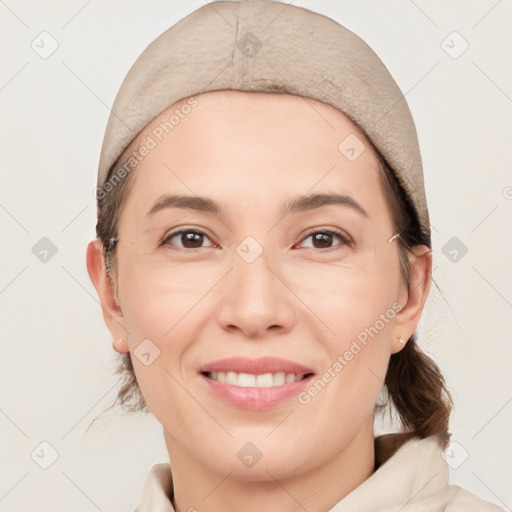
255, 366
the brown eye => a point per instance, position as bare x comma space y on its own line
188, 238
324, 239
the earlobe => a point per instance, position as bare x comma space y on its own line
120, 345
112, 313
398, 344
407, 319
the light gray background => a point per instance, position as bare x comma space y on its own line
57, 360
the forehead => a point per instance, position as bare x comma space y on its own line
291, 113
254, 146
294, 124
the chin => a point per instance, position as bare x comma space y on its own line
262, 471
261, 460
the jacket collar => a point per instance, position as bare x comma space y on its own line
408, 469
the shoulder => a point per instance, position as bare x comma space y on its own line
413, 471
457, 499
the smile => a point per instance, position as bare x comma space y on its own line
262, 380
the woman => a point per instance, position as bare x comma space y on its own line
263, 259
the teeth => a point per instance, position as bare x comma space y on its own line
290, 377
243, 380
264, 380
231, 378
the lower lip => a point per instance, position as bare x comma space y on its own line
253, 398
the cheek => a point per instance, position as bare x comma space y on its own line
346, 391
345, 298
156, 294
162, 311
354, 313
157, 347
362, 320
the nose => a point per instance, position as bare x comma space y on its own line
254, 299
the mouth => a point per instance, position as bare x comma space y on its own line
255, 384
262, 380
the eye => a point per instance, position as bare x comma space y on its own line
323, 239
190, 239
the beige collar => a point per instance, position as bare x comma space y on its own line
408, 470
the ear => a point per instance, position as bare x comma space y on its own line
107, 294
413, 299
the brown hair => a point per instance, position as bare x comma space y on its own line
414, 384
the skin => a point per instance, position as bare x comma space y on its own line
252, 153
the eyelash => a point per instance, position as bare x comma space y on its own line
345, 240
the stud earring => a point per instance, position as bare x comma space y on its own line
401, 340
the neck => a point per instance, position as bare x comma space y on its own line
198, 487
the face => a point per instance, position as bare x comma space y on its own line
316, 285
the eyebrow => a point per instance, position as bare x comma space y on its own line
299, 204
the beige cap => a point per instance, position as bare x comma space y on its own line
269, 46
